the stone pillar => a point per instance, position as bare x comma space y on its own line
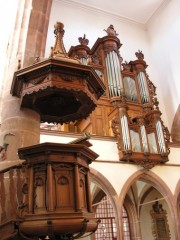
137, 227
21, 127
37, 30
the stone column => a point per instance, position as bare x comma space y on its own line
21, 127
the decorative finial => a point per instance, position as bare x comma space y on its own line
110, 31
126, 66
139, 55
155, 103
58, 49
83, 40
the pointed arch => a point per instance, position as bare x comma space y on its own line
132, 216
97, 178
158, 184
175, 131
177, 202
102, 181
177, 191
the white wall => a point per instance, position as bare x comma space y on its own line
107, 151
7, 20
80, 21
164, 38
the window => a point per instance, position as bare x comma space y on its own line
107, 227
126, 228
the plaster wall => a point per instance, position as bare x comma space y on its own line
146, 219
169, 174
6, 29
118, 173
79, 21
164, 36
174, 155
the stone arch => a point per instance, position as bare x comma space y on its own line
177, 190
106, 186
133, 218
175, 131
103, 182
157, 183
177, 202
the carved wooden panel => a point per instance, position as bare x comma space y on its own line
100, 120
64, 190
58, 194
83, 200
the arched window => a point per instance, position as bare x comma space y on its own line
125, 221
107, 227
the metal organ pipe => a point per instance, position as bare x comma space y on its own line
83, 60
130, 88
125, 132
160, 136
110, 84
118, 72
143, 87
144, 138
114, 74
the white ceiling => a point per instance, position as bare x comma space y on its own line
136, 10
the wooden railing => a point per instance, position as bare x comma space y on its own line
11, 195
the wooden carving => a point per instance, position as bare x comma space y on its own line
160, 225
58, 190
60, 88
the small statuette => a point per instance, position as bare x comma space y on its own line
83, 40
139, 55
110, 31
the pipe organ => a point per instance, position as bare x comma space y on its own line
129, 106
97, 92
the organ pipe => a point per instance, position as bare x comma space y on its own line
83, 60
144, 138
160, 137
130, 89
143, 87
110, 84
125, 133
114, 76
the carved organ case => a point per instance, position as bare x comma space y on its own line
129, 108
